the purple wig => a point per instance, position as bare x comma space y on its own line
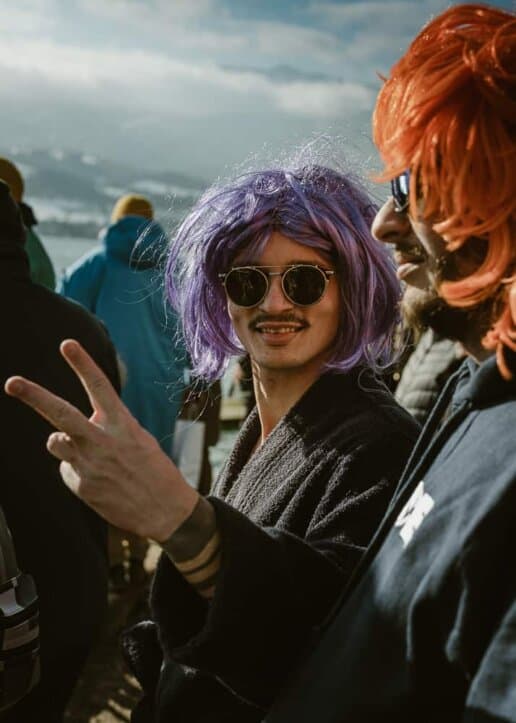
313, 205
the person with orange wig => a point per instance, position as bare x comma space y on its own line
448, 114
426, 630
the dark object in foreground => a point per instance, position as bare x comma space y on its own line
58, 541
19, 625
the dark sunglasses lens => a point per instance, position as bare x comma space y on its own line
400, 190
304, 285
246, 287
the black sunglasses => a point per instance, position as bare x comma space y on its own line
302, 284
400, 191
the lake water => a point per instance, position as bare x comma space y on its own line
64, 251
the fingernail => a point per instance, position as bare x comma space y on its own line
68, 346
13, 386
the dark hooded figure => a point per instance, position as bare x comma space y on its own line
58, 540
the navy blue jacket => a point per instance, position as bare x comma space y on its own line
427, 629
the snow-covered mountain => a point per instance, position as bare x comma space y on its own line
73, 193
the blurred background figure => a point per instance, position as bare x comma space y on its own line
60, 542
201, 406
427, 369
120, 282
41, 269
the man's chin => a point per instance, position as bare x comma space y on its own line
424, 309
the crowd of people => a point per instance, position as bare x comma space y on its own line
354, 559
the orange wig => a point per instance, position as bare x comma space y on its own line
448, 112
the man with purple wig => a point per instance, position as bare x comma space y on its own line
279, 264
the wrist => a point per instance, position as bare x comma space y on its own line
195, 548
170, 520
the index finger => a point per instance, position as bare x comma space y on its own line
103, 397
60, 413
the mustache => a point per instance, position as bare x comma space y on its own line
278, 319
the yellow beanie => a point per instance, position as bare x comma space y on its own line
132, 205
12, 176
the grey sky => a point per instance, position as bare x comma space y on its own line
196, 85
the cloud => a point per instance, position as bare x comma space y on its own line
184, 79
325, 100
28, 18
174, 26
209, 29
153, 11
398, 16
193, 31
283, 74
294, 42
376, 32
109, 78
147, 83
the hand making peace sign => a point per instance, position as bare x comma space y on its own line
109, 461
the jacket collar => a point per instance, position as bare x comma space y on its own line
482, 385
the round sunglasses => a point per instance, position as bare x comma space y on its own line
302, 284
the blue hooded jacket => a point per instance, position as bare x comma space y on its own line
121, 283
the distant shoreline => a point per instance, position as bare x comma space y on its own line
65, 250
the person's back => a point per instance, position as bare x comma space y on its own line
41, 268
119, 282
59, 541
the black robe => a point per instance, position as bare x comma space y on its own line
295, 518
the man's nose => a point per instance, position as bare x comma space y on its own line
389, 224
275, 300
